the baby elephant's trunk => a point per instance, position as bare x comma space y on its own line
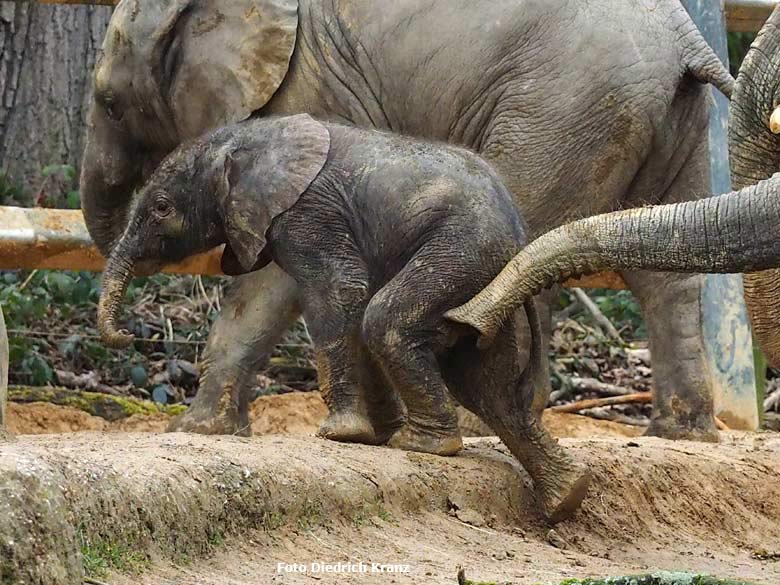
117, 276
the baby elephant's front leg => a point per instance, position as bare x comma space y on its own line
408, 361
358, 410
337, 368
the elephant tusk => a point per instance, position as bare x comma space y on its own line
774, 121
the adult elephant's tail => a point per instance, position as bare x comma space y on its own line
700, 60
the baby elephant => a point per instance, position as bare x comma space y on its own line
383, 235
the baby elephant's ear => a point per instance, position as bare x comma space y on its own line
264, 176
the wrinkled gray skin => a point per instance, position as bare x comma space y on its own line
381, 238
736, 232
580, 107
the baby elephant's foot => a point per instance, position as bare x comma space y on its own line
386, 428
564, 490
436, 442
348, 427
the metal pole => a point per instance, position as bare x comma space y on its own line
725, 325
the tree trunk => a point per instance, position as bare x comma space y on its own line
47, 54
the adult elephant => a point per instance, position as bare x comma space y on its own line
736, 232
581, 107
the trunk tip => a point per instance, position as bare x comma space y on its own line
117, 339
464, 323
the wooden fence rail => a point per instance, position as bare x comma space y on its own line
58, 239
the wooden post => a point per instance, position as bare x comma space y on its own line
725, 327
748, 15
4, 434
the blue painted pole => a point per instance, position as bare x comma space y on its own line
725, 324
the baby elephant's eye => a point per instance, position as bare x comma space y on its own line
162, 207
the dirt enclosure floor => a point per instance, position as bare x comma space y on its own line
177, 509
297, 413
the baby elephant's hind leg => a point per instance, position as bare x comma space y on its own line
560, 483
499, 385
397, 329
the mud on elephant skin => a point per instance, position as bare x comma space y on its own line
382, 235
735, 232
577, 114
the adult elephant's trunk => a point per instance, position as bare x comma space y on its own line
116, 277
111, 168
754, 150
729, 233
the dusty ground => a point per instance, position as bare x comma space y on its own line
295, 413
225, 511
192, 510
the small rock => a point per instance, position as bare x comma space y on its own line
160, 394
139, 376
556, 540
160, 378
471, 517
142, 392
632, 444
640, 355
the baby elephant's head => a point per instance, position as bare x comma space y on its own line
226, 187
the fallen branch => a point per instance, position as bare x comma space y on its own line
604, 323
593, 385
636, 398
722, 426
607, 413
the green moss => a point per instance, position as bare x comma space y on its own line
174, 409
100, 556
373, 509
106, 406
273, 520
311, 515
216, 537
661, 578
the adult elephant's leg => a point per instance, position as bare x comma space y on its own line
258, 309
682, 383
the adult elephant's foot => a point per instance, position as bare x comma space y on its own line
437, 442
225, 417
674, 429
259, 308
348, 427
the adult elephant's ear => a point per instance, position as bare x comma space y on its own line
265, 171
220, 60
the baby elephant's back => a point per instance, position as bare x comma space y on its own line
423, 190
